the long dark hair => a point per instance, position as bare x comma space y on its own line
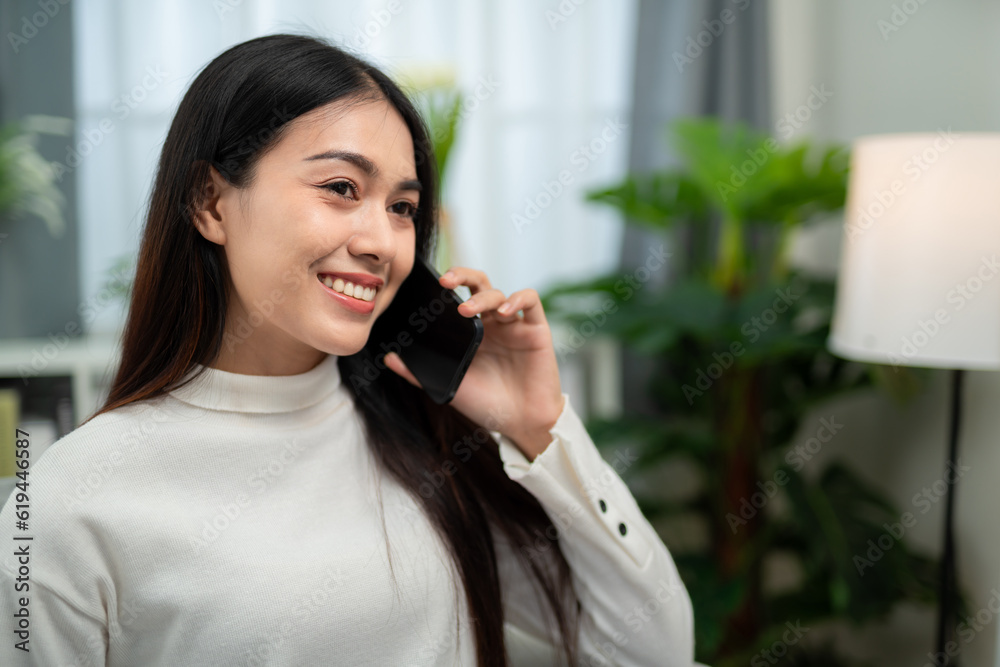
235, 110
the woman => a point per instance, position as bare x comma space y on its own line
241, 499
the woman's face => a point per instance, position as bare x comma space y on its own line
332, 201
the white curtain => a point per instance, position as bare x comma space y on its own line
547, 89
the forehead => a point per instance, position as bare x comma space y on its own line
373, 128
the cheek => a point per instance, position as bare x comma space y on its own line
293, 237
406, 241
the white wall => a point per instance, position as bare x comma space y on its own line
939, 69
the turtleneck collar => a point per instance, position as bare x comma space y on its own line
222, 390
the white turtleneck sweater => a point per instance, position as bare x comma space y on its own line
234, 521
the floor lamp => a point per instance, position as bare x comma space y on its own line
919, 281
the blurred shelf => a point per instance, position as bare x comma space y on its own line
88, 361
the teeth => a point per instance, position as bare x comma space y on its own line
350, 289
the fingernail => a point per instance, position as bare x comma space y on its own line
504, 308
448, 274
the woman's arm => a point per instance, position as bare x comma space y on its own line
56, 576
636, 610
41, 627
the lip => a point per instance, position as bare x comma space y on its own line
349, 302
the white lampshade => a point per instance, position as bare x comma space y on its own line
919, 281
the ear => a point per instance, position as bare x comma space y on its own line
211, 207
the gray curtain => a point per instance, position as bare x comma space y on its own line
693, 58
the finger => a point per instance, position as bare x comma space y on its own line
511, 310
483, 303
511, 314
528, 301
462, 275
393, 361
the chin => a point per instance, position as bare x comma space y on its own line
344, 349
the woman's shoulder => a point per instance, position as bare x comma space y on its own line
104, 433
103, 442
79, 477
100, 432
62, 505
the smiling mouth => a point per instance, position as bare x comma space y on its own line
348, 288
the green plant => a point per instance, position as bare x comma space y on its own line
737, 345
27, 180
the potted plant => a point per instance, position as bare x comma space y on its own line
27, 181
737, 347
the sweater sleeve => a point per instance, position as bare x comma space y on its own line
51, 577
635, 608
59, 632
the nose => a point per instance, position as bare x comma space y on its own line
374, 236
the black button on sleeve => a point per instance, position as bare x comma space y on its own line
621, 528
604, 506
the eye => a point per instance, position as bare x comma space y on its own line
405, 209
345, 189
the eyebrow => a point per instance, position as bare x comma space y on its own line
365, 165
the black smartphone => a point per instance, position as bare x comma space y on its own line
423, 326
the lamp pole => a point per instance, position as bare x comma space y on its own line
948, 582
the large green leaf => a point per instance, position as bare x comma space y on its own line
799, 185
714, 152
657, 199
